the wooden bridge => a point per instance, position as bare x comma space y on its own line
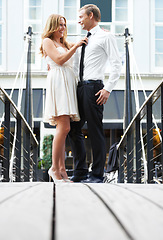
76, 211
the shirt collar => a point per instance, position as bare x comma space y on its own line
94, 30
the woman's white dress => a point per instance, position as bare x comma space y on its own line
61, 96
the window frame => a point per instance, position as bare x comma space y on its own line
72, 37
153, 25
112, 25
4, 37
37, 35
128, 23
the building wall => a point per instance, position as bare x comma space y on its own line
140, 20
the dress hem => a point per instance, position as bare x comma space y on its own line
52, 121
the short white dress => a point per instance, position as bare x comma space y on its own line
61, 87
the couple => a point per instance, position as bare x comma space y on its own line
62, 99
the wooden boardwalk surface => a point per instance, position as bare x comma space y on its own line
26, 211
81, 212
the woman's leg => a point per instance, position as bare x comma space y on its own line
58, 148
62, 167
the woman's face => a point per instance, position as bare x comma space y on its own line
62, 27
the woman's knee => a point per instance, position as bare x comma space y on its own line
66, 129
64, 125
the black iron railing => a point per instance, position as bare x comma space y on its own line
141, 146
18, 161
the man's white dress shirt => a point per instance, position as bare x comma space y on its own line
101, 48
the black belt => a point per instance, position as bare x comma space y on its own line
81, 83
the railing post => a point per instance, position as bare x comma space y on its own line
6, 140
121, 165
127, 96
138, 150
26, 154
20, 147
129, 157
128, 110
149, 141
35, 157
18, 150
28, 110
28, 95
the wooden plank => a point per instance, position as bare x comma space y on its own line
151, 192
141, 216
7, 190
80, 215
26, 211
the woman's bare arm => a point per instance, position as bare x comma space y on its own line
53, 53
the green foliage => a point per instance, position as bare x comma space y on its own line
41, 164
47, 151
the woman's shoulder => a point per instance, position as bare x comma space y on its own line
47, 40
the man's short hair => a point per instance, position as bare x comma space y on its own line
94, 9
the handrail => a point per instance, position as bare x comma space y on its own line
141, 146
138, 113
20, 164
19, 113
12, 165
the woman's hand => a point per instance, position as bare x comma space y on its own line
53, 53
80, 43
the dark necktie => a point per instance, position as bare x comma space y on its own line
82, 59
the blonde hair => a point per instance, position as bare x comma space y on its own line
51, 26
94, 9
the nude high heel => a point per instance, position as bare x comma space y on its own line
52, 176
66, 179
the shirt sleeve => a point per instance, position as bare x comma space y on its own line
115, 62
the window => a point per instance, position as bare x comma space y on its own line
158, 33
71, 8
121, 10
33, 18
71, 13
2, 34
121, 19
105, 9
115, 16
104, 6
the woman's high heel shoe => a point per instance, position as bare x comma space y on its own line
65, 177
67, 180
52, 176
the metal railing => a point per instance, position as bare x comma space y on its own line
18, 157
141, 146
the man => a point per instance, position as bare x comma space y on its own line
92, 94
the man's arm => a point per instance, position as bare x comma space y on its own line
114, 60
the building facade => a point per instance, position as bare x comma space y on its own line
144, 20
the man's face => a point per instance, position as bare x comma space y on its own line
84, 20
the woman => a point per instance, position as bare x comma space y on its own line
61, 102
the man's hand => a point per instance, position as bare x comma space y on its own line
104, 95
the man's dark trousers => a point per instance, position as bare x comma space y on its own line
92, 113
